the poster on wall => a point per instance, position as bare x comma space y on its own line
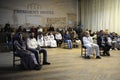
33, 20
57, 21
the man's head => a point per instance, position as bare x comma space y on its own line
32, 35
87, 33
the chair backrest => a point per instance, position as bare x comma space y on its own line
15, 55
83, 47
13, 45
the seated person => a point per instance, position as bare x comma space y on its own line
40, 40
104, 41
88, 43
118, 41
67, 39
47, 41
75, 40
114, 37
53, 42
28, 58
58, 38
33, 46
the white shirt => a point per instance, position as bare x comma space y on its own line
87, 40
58, 36
46, 38
32, 43
40, 39
40, 30
51, 37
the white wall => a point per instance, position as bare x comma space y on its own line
6, 16
60, 8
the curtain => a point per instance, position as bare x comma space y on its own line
99, 15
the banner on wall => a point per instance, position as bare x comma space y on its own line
57, 21
33, 12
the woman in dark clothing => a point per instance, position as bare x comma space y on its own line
28, 58
104, 42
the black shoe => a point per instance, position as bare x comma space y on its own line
118, 48
46, 63
87, 57
38, 67
98, 57
108, 54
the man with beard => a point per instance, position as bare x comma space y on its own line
33, 46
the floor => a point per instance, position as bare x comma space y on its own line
66, 64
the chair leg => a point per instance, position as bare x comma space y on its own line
81, 51
13, 61
85, 52
40, 58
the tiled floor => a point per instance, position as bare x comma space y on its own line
66, 64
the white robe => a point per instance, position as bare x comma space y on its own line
47, 41
40, 41
53, 42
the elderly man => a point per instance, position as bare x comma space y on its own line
88, 43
